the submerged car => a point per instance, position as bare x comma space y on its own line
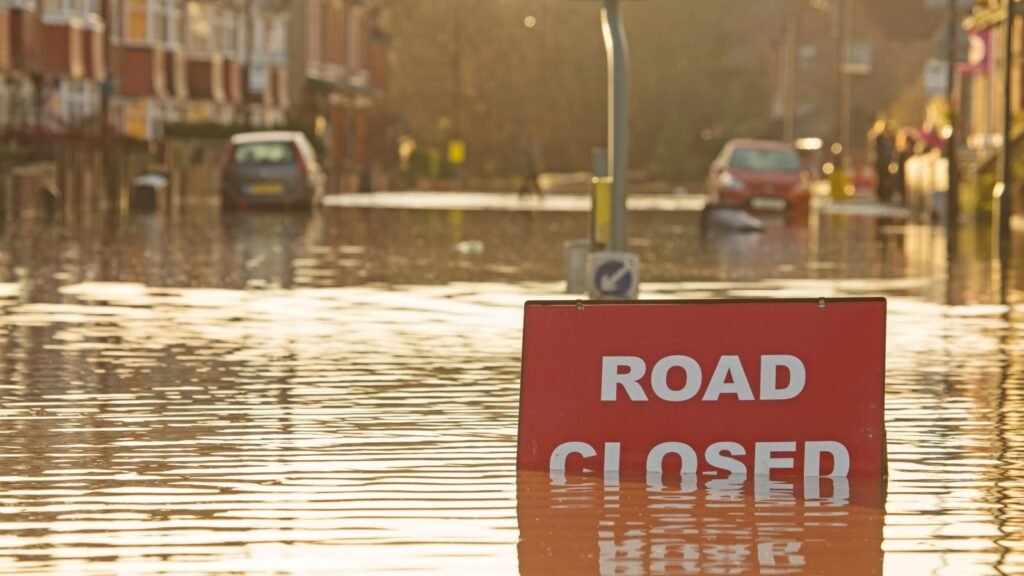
271, 168
759, 175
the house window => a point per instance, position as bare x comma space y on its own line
197, 33
201, 33
60, 11
240, 41
5, 103
71, 113
23, 101
278, 38
313, 40
355, 35
259, 36
229, 38
24, 5
136, 21
158, 22
80, 102
171, 113
94, 99
199, 112
328, 50
216, 30
153, 22
136, 120
116, 21
227, 115
172, 13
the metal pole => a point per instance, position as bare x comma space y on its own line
457, 38
618, 118
1006, 198
249, 31
110, 152
789, 76
846, 30
840, 8
953, 195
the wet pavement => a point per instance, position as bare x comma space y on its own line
275, 393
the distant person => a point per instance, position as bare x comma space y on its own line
905, 148
530, 171
885, 153
931, 139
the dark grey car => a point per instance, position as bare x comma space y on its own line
271, 168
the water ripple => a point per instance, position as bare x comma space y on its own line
347, 403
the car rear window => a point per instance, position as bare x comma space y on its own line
761, 160
265, 153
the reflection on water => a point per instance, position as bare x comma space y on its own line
358, 246
698, 526
337, 393
274, 430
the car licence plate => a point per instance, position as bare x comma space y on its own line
266, 189
776, 204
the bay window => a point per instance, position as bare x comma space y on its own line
136, 21
172, 16
201, 34
229, 37
62, 11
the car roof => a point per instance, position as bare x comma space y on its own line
751, 143
268, 136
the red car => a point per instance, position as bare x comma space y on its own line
759, 175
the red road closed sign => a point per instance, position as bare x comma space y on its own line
777, 388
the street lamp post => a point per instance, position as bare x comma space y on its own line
789, 71
618, 118
1006, 190
953, 195
610, 271
846, 31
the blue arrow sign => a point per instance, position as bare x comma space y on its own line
614, 278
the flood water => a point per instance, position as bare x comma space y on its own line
337, 393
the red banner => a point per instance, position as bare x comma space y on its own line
979, 52
788, 388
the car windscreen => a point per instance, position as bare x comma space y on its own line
762, 160
262, 153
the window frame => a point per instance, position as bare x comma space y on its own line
62, 12
6, 100
315, 55
200, 16
132, 8
353, 42
278, 37
173, 18
228, 33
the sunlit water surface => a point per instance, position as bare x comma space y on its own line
275, 394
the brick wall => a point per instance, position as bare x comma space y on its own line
136, 72
200, 79
54, 55
25, 30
